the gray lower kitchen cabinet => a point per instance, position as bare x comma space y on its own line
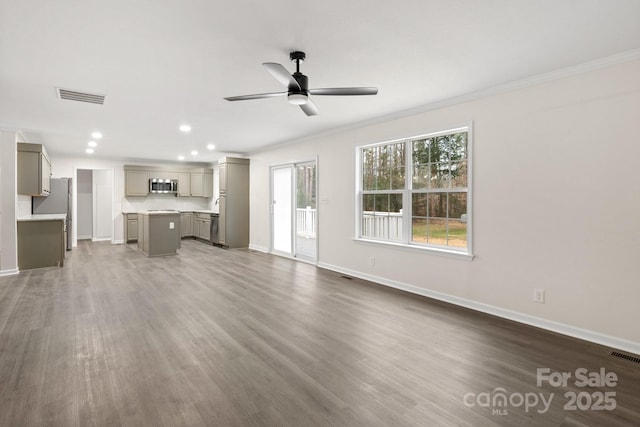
186, 224
41, 244
33, 170
202, 226
136, 183
130, 227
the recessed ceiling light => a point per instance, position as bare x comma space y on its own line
96, 135
211, 147
185, 128
194, 153
92, 144
89, 150
180, 157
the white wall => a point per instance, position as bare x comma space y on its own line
8, 239
102, 188
84, 210
67, 166
556, 205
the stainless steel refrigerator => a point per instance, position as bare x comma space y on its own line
57, 202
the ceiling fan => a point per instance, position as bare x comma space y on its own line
297, 86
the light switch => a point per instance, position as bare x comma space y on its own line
172, 225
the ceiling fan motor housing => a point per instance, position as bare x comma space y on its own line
303, 81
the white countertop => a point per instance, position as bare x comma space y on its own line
158, 212
43, 217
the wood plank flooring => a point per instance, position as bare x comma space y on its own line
216, 337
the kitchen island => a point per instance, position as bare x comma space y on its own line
159, 232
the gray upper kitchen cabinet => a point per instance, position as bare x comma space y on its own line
201, 184
233, 223
184, 184
207, 184
136, 183
196, 184
34, 170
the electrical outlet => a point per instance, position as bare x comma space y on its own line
372, 261
538, 296
172, 226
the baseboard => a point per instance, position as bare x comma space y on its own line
101, 239
258, 248
10, 272
117, 242
561, 328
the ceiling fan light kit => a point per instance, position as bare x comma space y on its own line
297, 86
297, 98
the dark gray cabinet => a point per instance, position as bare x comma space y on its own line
41, 243
233, 223
33, 169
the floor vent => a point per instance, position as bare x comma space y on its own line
347, 277
74, 95
625, 357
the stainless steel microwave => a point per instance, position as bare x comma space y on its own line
161, 185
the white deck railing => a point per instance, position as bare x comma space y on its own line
306, 222
386, 225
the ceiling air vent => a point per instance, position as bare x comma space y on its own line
74, 95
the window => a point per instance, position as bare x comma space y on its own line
415, 191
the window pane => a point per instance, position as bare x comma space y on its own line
437, 231
457, 233
395, 203
419, 204
382, 179
439, 175
420, 153
397, 155
440, 150
368, 202
437, 205
385, 221
382, 203
420, 177
459, 146
457, 205
419, 230
368, 179
459, 174
397, 178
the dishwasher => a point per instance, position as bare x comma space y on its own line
215, 239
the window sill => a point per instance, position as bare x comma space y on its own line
416, 248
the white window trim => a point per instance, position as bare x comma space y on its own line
405, 243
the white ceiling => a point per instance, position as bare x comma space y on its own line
162, 63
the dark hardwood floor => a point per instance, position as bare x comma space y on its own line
238, 338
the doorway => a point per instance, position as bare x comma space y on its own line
93, 205
294, 216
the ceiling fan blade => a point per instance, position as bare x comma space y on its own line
341, 91
282, 75
255, 96
309, 108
